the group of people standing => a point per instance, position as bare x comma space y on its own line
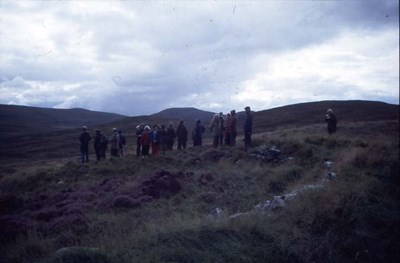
224, 130
161, 138
117, 142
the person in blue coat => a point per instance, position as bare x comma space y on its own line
197, 133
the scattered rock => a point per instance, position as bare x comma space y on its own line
238, 215
216, 214
268, 154
266, 206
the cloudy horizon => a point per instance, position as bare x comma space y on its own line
141, 57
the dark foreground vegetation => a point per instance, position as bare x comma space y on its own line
163, 209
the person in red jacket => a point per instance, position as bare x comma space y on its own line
145, 141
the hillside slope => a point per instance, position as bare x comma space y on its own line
22, 120
64, 143
302, 114
213, 205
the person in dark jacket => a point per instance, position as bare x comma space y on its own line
139, 131
222, 126
97, 144
248, 128
122, 142
232, 128
163, 138
182, 134
84, 139
171, 134
197, 133
104, 143
227, 126
331, 120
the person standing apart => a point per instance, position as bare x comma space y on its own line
114, 141
248, 128
97, 145
182, 134
84, 139
331, 120
139, 131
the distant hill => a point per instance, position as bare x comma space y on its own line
21, 120
174, 115
186, 114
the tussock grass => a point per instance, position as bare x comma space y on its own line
354, 218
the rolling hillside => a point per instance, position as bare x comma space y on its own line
208, 205
301, 114
22, 120
53, 143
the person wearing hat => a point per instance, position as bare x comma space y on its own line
114, 142
248, 128
331, 120
84, 139
97, 144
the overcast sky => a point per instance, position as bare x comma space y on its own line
140, 57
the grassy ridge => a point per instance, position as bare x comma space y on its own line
157, 210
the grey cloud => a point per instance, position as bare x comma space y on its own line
164, 52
